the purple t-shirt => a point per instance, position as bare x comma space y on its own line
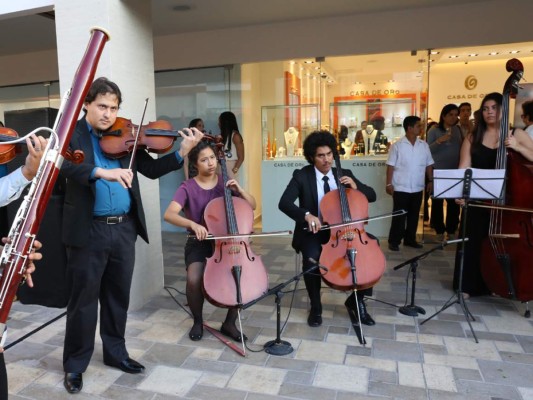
194, 199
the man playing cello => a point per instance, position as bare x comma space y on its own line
309, 185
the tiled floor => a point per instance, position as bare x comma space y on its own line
402, 360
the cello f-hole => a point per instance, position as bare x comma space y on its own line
251, 258
220, 253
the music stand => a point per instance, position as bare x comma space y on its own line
469, 184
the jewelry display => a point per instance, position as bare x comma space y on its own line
291, 136
347, 145
369, 136
281, 152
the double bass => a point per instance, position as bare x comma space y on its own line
353, 258
234, 275
507, 252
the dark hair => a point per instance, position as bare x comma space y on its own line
195, 151
103, 86
445, 111
431, 125
464, 105
410, 121
481, 125
318, 139
378, 122
343, 132
194, 122
527, 109
228, 125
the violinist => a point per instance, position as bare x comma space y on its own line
192, 197
11, 187
103, 214
308, 185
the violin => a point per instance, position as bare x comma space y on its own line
353, 258
234, 275
156, 137
9, 151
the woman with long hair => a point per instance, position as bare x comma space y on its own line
233, 143
192, 197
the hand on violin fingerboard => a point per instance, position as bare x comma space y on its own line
191, 137
120, 175
35, 153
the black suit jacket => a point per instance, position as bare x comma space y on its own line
81, 189
303, 187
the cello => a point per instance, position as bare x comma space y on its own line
353, 258
508, 249
234, 275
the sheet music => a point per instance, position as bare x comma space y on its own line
486, 183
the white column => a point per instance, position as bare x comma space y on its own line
128, 61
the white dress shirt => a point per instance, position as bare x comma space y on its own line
409, 162
11, 186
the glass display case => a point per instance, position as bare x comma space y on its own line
369, 126
284, 128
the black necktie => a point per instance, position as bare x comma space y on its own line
326, 184
368, 145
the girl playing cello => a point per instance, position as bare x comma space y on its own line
192, 197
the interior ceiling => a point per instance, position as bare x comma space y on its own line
33, 33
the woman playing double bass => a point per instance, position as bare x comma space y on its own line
309, 185
479, 150
192, 197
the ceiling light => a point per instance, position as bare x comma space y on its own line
391, 80
182, 8
308, 62
292, 62
434, 52
514, 52
493, 53
330, 81
357, 83
473, 55
453, 56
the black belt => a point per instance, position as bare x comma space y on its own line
112, 219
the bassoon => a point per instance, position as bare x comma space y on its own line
14, 258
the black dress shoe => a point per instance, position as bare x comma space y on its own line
196, 333
73, 382
314, 320
416, 245
394, 247
366, 319
128, 365
238, 337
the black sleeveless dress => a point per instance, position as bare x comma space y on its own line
477, 228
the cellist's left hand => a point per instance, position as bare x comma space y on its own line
347, 181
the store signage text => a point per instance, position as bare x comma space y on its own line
369, 164
296, 164
465, 96
374, 92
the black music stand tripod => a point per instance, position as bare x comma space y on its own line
278, 347
480, 193
413, 310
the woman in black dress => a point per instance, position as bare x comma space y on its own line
479, 150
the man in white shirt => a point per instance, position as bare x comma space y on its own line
409, 158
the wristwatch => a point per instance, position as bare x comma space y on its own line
235, 170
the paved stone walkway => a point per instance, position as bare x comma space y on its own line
402, 360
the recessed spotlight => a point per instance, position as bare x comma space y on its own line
434, 52
182, 8
330, 81
514, 52
453, 56
308, 62
473, 55
493, 53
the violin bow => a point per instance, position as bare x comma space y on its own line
396, 213
243, 235
136, 142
